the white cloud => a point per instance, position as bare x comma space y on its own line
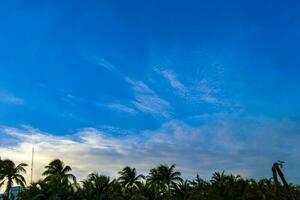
73, 100
202, 90
247, 147
207, 93
147, 101
87, 150
107, 65
10, 99
173, 81
122, 108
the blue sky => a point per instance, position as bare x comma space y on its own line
209, 85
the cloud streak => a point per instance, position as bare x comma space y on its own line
147, 101
201, 91
122, 108
10, 99
144, 100
207, 93
172, 80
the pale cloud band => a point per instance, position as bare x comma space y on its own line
243, 147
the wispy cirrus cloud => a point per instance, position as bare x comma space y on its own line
207, 92
10, 99
101, 62
72, 99
144, 99
122, 108
200, 91
147, 101
107, 65
171, 77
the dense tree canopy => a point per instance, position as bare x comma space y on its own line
162, 183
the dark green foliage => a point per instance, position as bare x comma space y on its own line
11, 173
162, 183
129, 179
96, 187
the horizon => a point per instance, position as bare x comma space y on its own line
207, 85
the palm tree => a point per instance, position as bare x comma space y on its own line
10, 173
96, 187
115, 191
35, 191
143, 190
129, 178
200, 187
162, 183
61, 183
57, 169
183, 190
164, 177
154, 177
218, 177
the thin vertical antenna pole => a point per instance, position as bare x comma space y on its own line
32, 157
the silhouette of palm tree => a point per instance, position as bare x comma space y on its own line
129, 178
96, 186
183, 190
10, 173
218, 177
56, 169
164, 177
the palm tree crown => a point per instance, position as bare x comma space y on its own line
96, 186
10, 173
56, 169
164, 175
129, 178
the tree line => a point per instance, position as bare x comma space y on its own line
161, 183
